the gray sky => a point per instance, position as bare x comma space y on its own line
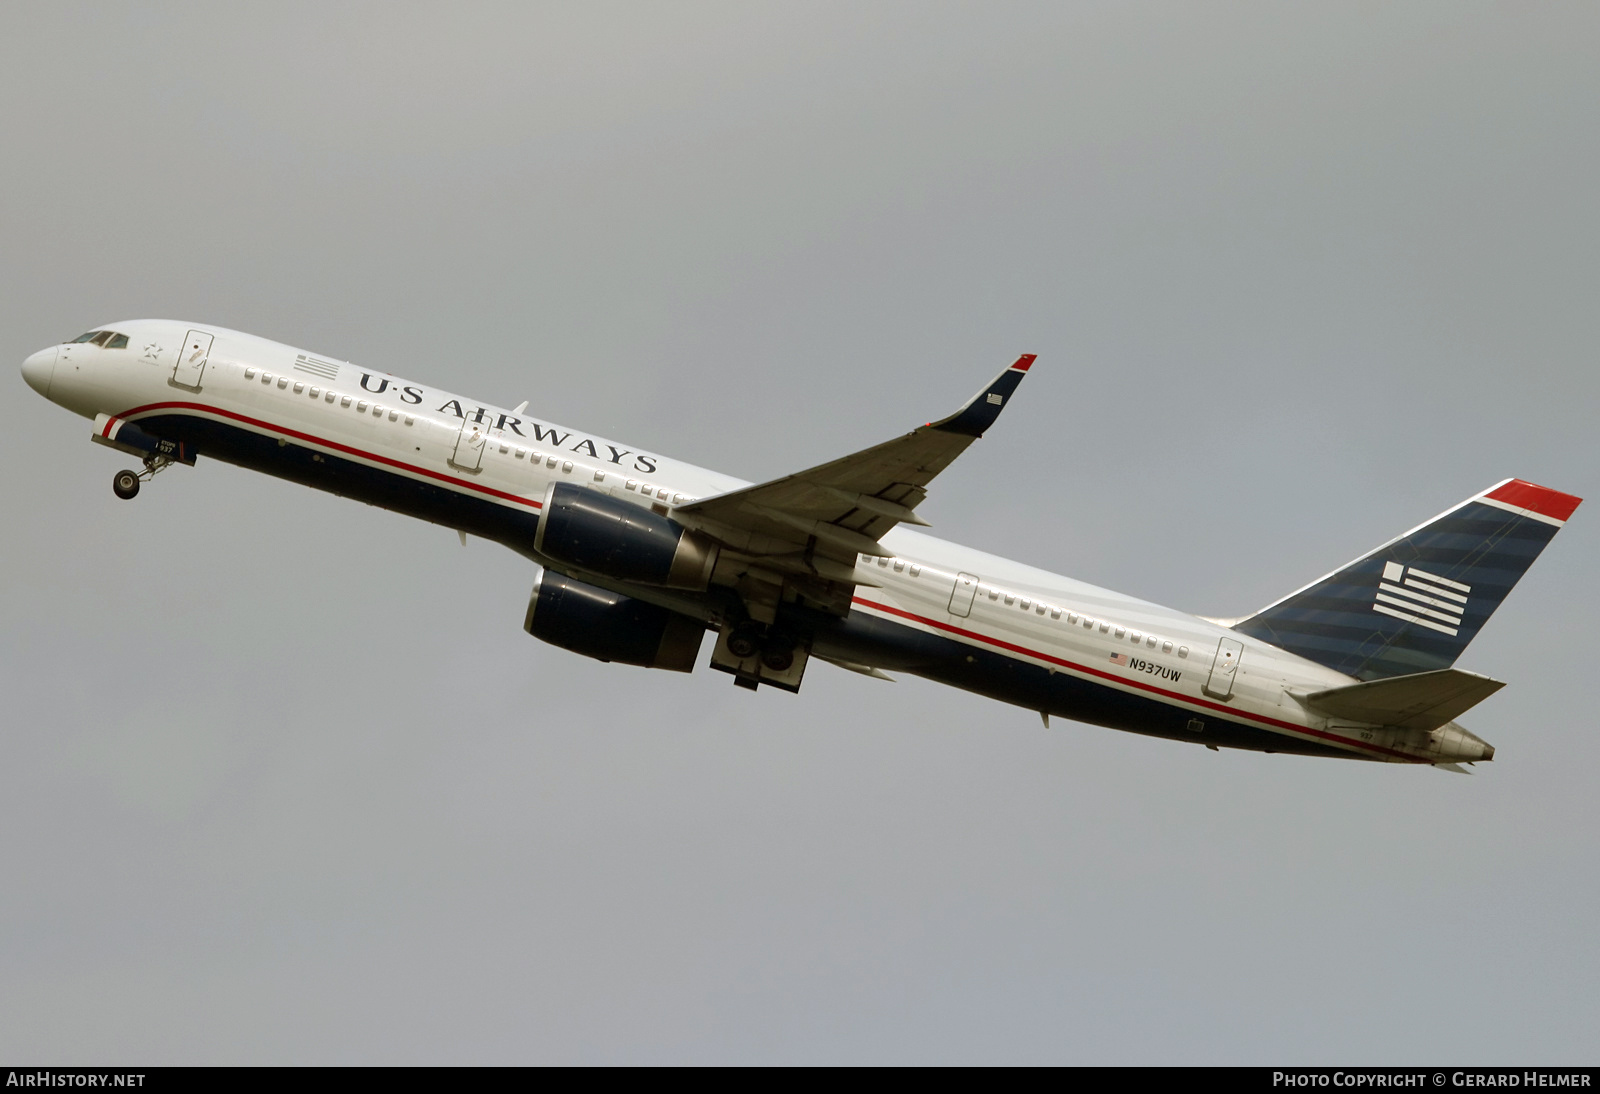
282, 780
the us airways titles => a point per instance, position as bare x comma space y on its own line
411, 393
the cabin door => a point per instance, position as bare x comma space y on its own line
470, 444
192, 359
1224, 667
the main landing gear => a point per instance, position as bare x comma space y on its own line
126, 483
776, 647
757, 654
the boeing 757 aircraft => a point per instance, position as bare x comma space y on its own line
641, 555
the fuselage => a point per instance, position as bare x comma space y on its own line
923, 606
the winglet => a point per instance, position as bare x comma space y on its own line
980, 413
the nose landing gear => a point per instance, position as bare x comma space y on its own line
126, 483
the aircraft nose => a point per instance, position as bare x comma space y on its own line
38, 370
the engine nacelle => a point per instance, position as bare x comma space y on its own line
611, 627
595, 531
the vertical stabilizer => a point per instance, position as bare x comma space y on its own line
1413, 604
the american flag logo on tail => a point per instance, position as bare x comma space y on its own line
1419, 597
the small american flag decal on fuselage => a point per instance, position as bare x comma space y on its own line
1419, 597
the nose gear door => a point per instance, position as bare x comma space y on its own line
192, 360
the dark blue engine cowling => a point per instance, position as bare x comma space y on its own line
607, 535
611, 627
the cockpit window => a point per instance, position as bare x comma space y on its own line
110, 339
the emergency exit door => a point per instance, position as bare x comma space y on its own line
961, 598
192, 357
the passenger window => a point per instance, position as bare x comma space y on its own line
1119, 632
899, 564
1038, 609
550, 463
330, 396
1011, 598
1105, 628
566, 466
299, 389
1136, 637
1055, 613
1183, 651
394, 415
916, 571
600, 476
283, 382
361, 406
1166, 647
504, 447
633, 484
316, 393
1072, 617
345, 401
377, 411
1088, 624
410, 419
1024, 603
118, 341
677, 499
883, 560
1150, 642
662, 493
521, 452
266, 377
249, 374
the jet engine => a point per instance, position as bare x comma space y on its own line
595, 531
611, 627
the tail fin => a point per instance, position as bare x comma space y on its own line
1413, 604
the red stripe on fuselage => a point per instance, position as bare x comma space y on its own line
336, 446
1139, 684
1540, 499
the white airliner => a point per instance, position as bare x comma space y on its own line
642, 554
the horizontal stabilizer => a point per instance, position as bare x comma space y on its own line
1423, 700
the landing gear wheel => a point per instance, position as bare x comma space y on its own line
125, 485
744, 641
777, 652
